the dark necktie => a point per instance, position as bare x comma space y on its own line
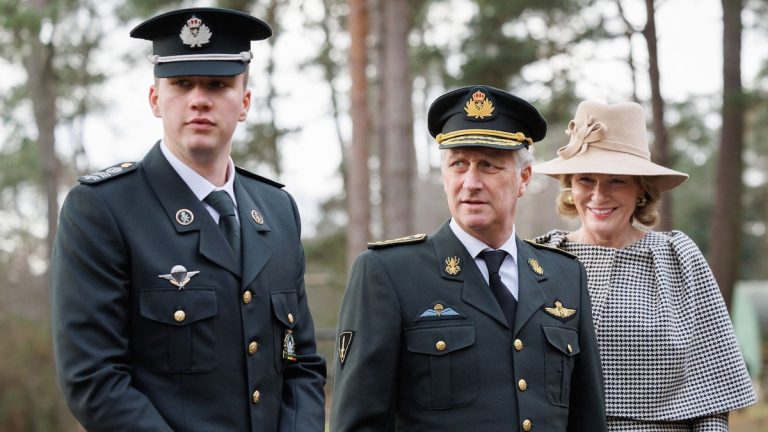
493, 260
223, 204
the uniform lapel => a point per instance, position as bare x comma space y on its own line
175, 197
254, 229
475, 291
531, 295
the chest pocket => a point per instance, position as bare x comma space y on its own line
440, 366
285, 317
178, 331
560, 355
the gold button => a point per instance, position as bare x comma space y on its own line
253, 347
290, 318
179, 315
518, 344
440, 345
570, 349
256, 397
527, 425
247, 297
522, 385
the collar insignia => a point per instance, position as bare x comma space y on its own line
195, 33
257, 217
479, 106
345, 341
452, 265
179, 276
184, 217
535, 266
560, 311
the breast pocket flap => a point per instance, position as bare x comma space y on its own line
285, 307
566, 340
178, 307
439, 340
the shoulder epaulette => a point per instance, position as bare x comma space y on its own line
553, 249
416, 238
247, 173
108, 173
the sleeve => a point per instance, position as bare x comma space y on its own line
302, 407
587, 402
90, 307
368, 351
713, 423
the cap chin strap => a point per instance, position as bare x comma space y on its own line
244, 57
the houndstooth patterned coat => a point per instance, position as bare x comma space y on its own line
670, 357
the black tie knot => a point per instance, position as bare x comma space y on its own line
493, 260
221, 202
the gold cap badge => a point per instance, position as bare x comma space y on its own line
479, 106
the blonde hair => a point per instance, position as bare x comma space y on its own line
646, 215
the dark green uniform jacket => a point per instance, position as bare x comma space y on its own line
424, 346
134, 352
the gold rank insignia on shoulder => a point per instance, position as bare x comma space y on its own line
108, 173
452, 265
479, 106
416, 238
345, 341
534, 265
559, 311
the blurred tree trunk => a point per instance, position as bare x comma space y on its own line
661, 153
358, 189
397, 152
725, 229
38, 63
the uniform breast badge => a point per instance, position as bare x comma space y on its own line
345, 341
289, 346
560, 312
452, 265
439, 310
179, 276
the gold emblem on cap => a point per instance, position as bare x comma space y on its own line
535, 266
195, 33
479, 106
559, 310
184, 217
257, 217
452, 265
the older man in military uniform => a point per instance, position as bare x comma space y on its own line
177, 282
470, 329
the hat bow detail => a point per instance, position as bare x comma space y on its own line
582, 135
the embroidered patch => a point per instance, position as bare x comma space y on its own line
560, 312
195, 34
345, 341
452, 265
438, 310
479, 106
535, 266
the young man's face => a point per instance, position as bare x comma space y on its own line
200, 114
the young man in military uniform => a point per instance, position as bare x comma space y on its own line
177, 282
470, 329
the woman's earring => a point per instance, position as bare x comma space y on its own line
567, 196
641, 201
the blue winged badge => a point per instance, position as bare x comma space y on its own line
438, 311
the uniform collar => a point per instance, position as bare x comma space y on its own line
474, 246
199, 185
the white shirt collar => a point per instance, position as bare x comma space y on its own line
199, 185
474, 246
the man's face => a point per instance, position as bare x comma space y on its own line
482, 186
199, 114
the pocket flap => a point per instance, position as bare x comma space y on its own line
178, 307
439, 340
285, 307
565, 339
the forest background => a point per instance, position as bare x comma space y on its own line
340, 96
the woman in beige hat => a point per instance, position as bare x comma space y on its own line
670, 358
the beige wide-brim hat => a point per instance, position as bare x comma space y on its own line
609, 139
